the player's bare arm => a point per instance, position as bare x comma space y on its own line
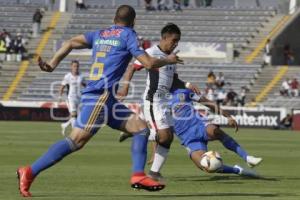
123, 92
193, 87
216, 109
178, 83
152, 62
77, 42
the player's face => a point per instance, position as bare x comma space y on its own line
75, 69
171, 41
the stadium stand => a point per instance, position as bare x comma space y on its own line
238, 75
202, 25
277, 100
214, 24
17, 17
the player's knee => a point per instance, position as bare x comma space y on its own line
134, 124
214, 132
219, 133
78, 143
164, 141
140, 124
73, 145
79, 139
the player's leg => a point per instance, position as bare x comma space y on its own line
158, 114
153, 145
124, 120
215, 133
151, 139
80, 135
67, 123
197, 149
72, 104
163, 140
55, 153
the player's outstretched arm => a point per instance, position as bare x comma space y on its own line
216, 109
152, 62
123, 91
77, 42
178, 83
193, 87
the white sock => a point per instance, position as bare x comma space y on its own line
73, 119
160, 158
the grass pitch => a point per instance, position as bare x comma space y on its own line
102, 169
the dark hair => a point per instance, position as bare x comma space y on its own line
75, 61
170, 28
125, 14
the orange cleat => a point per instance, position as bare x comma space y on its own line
25, 179
141, 181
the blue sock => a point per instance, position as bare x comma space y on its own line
228, 170
139, 150
232, 145
54, 154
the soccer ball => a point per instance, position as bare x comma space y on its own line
211, 161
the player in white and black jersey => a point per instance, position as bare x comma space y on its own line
74, 81
156, 109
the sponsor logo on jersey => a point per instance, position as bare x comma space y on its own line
111, 33
108, 42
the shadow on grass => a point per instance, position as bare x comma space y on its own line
124, 196
221, 178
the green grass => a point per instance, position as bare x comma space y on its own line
102, 169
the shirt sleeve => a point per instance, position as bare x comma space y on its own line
133, 45
137, 65
89, 37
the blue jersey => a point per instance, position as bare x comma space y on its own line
189, 125
113, 49
184, 114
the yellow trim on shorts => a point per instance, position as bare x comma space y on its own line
97, 109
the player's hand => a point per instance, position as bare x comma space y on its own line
174, 59
44, 65
193, 87
121, 94
233, 123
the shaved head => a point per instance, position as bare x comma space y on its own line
125, 15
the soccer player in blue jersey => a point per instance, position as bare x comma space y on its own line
112, 50
194, 131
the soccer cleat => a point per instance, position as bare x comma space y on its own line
25, 178
124, 136
253, 161
156, 176
247, 172
141, 181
